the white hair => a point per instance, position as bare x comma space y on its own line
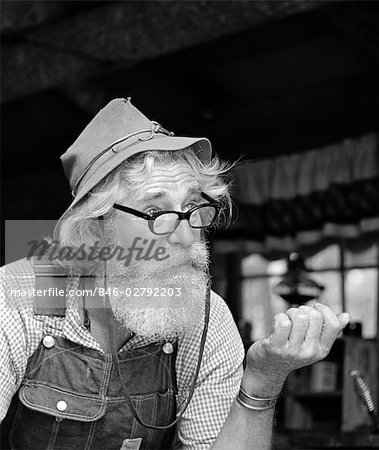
80, 225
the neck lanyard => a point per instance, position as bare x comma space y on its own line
113, 347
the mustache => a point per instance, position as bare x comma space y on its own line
196, 257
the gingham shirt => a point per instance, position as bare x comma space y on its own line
219, 378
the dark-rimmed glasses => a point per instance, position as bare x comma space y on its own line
165, 222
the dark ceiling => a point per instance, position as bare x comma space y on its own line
259, 78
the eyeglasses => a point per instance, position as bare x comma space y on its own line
165, 222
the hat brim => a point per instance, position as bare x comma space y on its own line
101, 168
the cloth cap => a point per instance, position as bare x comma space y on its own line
116, 133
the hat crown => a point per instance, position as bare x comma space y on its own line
118, 119
115, 134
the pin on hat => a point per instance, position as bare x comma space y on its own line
116, 133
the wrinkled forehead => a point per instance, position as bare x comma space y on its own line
170, 179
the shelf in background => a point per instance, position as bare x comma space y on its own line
315, 395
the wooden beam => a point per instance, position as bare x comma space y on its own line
20, 15
358, 21
125, 33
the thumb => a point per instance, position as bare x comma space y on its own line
344, 319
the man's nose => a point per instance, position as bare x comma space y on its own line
183, 234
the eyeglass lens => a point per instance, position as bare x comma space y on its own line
200, 218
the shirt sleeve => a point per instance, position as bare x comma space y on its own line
218, 382
13, 341
8, 377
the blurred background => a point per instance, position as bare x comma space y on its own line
289, 87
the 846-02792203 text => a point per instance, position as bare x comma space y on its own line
141, 291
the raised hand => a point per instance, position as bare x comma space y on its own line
300, 337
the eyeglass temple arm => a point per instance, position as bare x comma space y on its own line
208, 198
132, 211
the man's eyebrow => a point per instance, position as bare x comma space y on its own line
153, 196
195, 189
150, 196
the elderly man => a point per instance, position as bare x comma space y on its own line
140, 353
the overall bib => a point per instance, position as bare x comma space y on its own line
71, 398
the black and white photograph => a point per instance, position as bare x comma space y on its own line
189, 225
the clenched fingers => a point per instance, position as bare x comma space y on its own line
282, 328
313, 330
316, 320
301, 336
299, 327
331, 326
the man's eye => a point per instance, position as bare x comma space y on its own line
192, 204
152, 210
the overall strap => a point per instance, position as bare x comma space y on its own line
50, 298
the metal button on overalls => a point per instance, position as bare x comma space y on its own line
61, 405
48, 341
168, 348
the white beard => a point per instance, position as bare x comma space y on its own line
160, 316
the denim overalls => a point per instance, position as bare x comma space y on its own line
71, 398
